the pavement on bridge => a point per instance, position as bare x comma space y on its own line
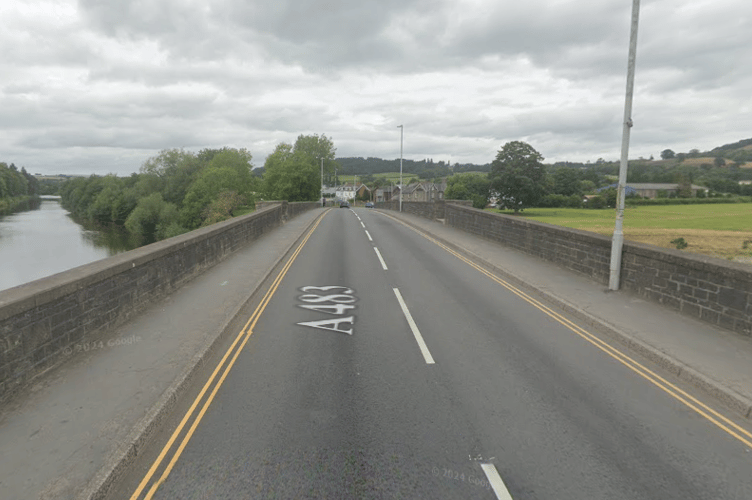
77, 428
80, 426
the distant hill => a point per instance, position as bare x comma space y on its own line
739, 152
426, 168
743, 144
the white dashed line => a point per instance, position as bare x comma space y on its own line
496, 483
361, 223
378, 254
416, 333
369, 235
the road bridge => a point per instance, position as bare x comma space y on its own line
356, 353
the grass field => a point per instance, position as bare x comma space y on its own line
716, 230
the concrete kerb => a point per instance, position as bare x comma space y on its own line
116, 464
724, 394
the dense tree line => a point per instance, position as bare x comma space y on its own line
518, 178
178, 191
16, 187
175, 192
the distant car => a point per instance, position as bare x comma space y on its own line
344, 204
369, 204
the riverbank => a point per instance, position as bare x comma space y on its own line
18, 204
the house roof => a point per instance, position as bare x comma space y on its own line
628, 189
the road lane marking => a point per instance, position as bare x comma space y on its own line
496, 482
244, 334
416, 333
330, 324
378, 254
369, 235
361, 223
713, 416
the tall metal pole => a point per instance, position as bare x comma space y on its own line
402, 129
618, 239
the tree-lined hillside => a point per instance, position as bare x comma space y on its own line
425, 169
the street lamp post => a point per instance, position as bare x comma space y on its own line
618, 237
402, 129
322, 183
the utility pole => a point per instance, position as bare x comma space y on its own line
323, 203
618, 238
402, 129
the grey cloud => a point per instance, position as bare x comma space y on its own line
142, 76
95, 137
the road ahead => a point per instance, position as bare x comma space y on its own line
381, 365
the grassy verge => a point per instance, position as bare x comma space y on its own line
717, 230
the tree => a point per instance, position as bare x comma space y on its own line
223, 207
566, 181
315, 147
293, 173
177, 169
517, 176
151, 218
228, 170
469, 186
684, 187
667, 154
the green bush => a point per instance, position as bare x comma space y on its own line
573, 201
553, 201
479, 201
680, 243
596, 202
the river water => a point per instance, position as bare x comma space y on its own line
45, 241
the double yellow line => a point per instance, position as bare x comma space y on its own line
690, 401
242, 338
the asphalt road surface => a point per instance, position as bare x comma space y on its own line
381, 365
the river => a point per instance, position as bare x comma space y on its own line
45, 241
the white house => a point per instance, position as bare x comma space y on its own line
345, 192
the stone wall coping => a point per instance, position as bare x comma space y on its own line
45, 290
703, 263
577, 234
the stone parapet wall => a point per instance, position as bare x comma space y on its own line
581, 251
298, 207
430, 210
42, 321
705, 288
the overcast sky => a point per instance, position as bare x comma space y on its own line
98, 86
